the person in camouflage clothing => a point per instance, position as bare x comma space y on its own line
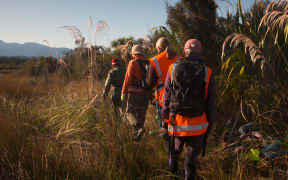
114, 83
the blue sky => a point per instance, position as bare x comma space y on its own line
37, 20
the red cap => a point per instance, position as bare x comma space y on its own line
115, 61
194, 45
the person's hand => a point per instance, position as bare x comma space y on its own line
162, 130
124, 97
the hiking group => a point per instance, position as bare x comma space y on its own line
184, 98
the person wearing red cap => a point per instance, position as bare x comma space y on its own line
189, 106
114, 82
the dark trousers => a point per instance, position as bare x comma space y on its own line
136, 111
192, 151
116, 99
164, 125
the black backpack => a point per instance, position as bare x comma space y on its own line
187, 95
144, 70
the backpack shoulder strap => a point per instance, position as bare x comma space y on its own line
142, 65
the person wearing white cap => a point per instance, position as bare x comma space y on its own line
136, 92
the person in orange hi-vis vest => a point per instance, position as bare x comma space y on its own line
189, 106
156, 77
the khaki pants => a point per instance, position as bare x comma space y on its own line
136, 111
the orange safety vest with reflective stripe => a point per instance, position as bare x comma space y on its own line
189, 126
161, 64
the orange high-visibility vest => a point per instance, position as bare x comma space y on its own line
189, 126
161, 64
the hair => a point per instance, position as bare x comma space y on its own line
170, 53
162, 43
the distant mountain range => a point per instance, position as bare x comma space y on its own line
29, 50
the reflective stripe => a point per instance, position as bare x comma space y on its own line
158, 69
206, 73
188, 128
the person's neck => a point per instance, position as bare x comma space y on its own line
138, 56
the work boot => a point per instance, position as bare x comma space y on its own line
190, 174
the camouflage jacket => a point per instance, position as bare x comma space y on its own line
115, 79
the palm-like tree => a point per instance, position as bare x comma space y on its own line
195, 19
121, 41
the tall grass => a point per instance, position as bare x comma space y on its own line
58, 135
61, 134
53, 130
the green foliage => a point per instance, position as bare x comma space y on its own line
195, 19
161, 31
236, 75
121, 41
11, 62
39, 66
258, 90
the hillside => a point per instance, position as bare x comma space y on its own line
29, 49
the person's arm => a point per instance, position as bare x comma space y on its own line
108, 83
166, 98
211, 96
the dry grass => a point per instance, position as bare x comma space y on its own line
125, 51
77, 35
61, 134
249, 46
276, 15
